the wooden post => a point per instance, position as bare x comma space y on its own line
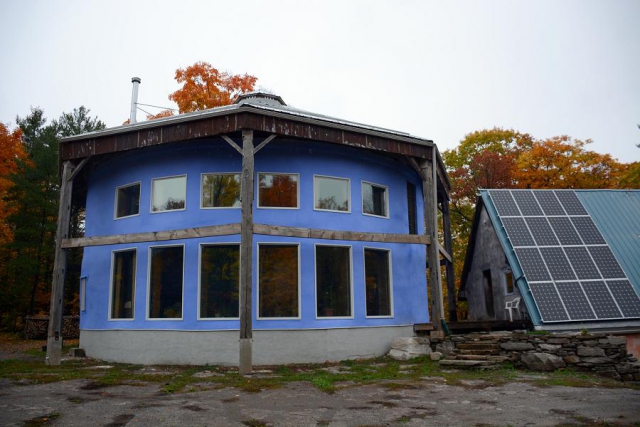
430, 196
56, 311
448, 246
246, 254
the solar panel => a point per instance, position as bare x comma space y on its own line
532, 265
575, 301
572, 273
527, 203
601, 299
582, 263
549, 203
558, 264
548, 301
504, 203
541, 230
565, 231
518, 232
626, 297
606, 262
571, 203
588, 230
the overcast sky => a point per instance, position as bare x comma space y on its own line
435, 69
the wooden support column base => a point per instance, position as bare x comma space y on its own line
437, 334
54, 351
245, 367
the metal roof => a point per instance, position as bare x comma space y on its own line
256, 101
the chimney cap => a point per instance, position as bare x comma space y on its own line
135, 80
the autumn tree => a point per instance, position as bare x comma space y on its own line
204, 86
10, 153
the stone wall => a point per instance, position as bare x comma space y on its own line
603, 354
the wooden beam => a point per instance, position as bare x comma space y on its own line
316, 233
416, 167
78, 168
448, 246
154, 236
56, 310
263, 143
430, 196
232, 143
245, 365
444, 253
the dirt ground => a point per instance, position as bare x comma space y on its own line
428, 401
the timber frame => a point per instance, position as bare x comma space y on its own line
242, 125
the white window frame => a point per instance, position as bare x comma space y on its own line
186, 187
276, 207
364, 270
148, 302
297, 244
505, 272
386, 199
135, 283
200, 246
201, 188
315, 282
115, 204
348, 211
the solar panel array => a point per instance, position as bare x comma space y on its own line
570, 269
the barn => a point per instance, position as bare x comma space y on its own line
254, 233
565, 260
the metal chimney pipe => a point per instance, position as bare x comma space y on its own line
134, 99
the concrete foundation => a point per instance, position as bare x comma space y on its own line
222, 347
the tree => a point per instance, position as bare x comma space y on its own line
203, 86
27, 261
10, 153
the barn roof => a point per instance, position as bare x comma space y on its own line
574, 253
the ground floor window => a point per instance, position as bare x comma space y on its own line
278, 281
333, 281
123, 284
219, 275
377, 282
165, 282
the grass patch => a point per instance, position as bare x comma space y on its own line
41, 421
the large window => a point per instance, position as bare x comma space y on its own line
220, 190
128, 200
331, 194
277, 190
165, 282
123, 284
377, 273
278, 278
219, 275
168, 194
374, 200
333, 281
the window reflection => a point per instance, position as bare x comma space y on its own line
169, 194
333, 281
128, 201
221, 190
331, 194
374, 199
277, 190
278, 280
377, 280
123, 284
165, 282
219, 275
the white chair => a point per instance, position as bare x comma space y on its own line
514, 304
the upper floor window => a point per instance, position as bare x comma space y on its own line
220, 190
168, 194
278, 190
128, 200
375, 200
331, 194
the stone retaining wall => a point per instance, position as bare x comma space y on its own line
603, 354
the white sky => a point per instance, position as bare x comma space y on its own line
435, 69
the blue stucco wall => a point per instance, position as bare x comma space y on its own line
306, 159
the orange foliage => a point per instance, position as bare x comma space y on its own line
10, 151
203, 86
160, 115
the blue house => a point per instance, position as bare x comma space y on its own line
253, 233
563, 259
